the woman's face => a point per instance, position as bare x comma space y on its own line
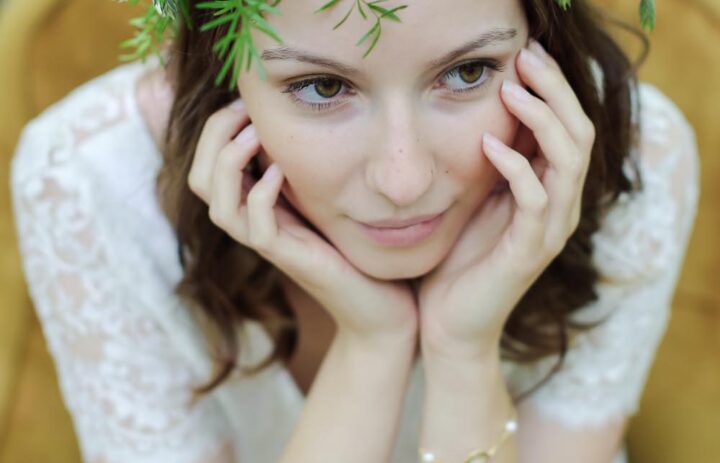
397, 138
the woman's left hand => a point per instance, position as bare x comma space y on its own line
465, 301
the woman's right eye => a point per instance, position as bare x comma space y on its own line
325, 86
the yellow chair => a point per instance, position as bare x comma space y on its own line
46, 49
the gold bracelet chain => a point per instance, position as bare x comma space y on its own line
477, 456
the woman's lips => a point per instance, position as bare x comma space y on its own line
403, 236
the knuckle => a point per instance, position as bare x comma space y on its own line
216, 217
540, 202
196, 188
225, 160
547, 118
555, 246
192, 183
519, 165
210, 123
216, 118
575, 167
259, 243
254, 197
588, 131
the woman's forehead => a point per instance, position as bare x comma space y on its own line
421, 22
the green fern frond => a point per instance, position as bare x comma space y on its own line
160, 24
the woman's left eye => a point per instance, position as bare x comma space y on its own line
327, 87
469, 72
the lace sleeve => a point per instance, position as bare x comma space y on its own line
125, 387
639, 252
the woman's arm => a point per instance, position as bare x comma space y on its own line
582, 413
353, 407
465, 408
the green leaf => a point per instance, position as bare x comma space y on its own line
647, 14
347, 15
329, 4
216, 22
367, 34
264, 26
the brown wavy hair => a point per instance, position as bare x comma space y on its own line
225, 283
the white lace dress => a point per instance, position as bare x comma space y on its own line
100, 261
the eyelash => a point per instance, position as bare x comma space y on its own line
492, 65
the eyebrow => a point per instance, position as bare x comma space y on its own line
487, 38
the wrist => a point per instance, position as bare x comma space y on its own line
461, 371
466, 405
437, 345
381, 344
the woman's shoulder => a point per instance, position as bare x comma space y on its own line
646, 232
90, 157
84, 126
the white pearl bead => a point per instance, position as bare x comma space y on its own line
511, 426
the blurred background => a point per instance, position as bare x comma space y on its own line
48, 47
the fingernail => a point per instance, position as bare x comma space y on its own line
238, 105
246, 134
516, 91
532, 58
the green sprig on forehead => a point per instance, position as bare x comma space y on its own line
160, 23
375, 9
237, 45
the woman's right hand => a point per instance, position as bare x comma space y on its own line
249, 211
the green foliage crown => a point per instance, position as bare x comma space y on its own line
161, 20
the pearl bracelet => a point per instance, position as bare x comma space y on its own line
477, 456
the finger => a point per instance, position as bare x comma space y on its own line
263, 229
549, 82
564, 193
229, 183
527, 229
218, 130
552, 137
564, 175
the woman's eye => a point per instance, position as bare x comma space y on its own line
318, 92
325, 87
471, 72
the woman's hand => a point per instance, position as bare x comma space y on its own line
466, 300
249, 211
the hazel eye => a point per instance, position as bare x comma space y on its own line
471, 72
466, 72
325, 87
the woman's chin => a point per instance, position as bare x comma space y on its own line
397, 267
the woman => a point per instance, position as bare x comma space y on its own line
413, 248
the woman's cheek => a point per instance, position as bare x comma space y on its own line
303, 160
463, 155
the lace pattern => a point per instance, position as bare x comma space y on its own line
126, 386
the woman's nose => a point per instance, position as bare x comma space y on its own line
400, 168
